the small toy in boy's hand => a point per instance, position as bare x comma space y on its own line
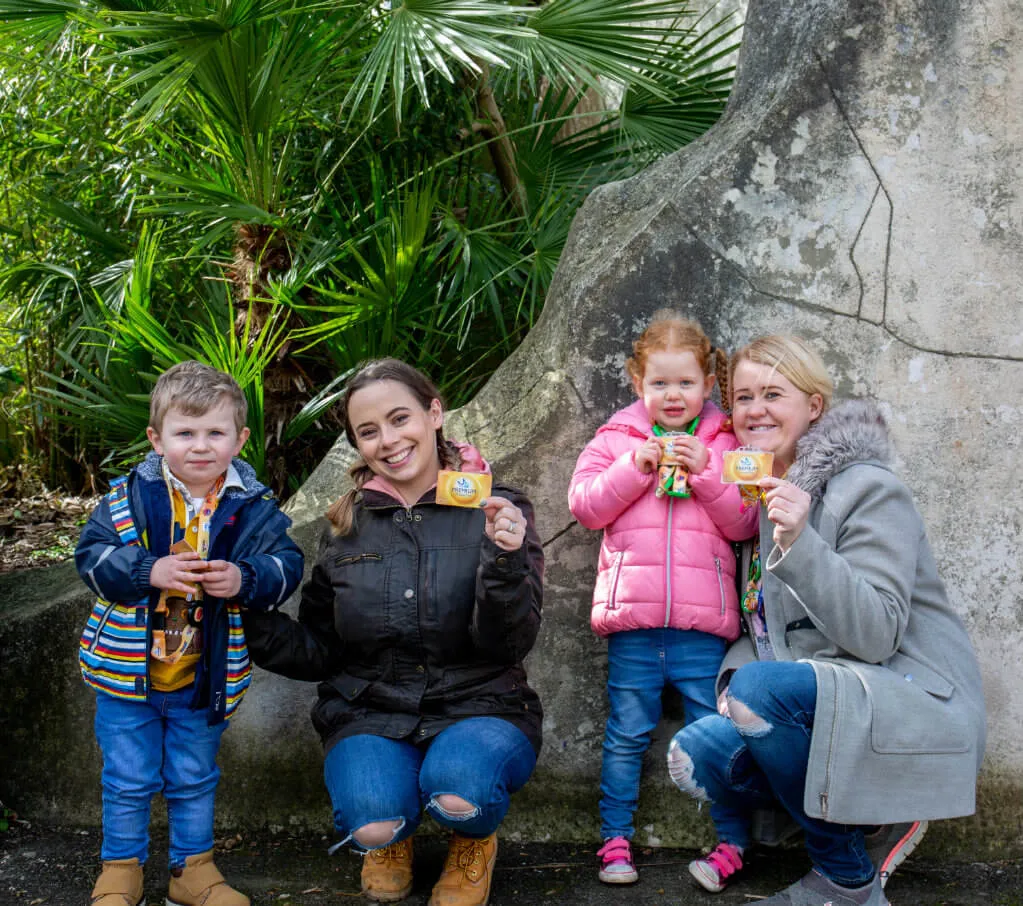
462, 488
183, 547
173, 609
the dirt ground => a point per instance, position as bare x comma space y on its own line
49, 866
40, 529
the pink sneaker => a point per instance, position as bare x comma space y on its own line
616, 862
714, 869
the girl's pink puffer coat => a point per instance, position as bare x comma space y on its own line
663, 561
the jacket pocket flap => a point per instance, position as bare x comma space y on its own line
347, 686
913, 710
913, 671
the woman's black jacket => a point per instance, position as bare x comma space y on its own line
412, 622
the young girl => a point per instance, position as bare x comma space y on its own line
665, 595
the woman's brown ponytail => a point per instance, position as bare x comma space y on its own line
341, 514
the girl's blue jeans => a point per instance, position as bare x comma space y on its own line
481, 759
640, 664
757, 758
157, 746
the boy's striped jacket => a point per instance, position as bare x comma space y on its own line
128, 532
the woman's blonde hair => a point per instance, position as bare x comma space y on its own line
793, 358
668, 330
341, 512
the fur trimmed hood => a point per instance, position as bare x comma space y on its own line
851, 432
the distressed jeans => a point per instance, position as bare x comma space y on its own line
157, 746
757, 758
481, 759
641, 663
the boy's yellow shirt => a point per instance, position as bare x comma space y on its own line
187, 523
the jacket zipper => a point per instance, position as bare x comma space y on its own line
667, 565
99, 626
426, 593
616, 573
827, 765
721, 583
355, 558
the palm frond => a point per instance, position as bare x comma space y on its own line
578, 41
417, 37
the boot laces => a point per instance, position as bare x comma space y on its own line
392, 853
469, 855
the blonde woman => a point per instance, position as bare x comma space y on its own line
854, 700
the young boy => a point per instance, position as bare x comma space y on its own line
175, 551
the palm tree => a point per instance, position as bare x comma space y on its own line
386, 176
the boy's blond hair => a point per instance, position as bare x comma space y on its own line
193, 389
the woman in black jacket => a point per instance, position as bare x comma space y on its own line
415, 623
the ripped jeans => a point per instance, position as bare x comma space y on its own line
483, 760
757, 758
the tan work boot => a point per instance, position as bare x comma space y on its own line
119, 884
467, 873
387, 872
199, 883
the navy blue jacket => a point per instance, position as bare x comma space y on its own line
247, 529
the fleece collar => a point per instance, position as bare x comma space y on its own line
852, 432
241, 477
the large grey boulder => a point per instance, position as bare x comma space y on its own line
862, 190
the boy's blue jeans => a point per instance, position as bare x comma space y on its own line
762, 761
640, 664
157, 746
481, 759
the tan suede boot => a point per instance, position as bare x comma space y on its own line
387, 872
199, 883
467, 873
119, 884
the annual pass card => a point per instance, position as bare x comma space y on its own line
462, 488
746, 466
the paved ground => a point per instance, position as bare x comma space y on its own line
56, 866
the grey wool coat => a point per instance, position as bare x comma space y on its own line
899, 729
